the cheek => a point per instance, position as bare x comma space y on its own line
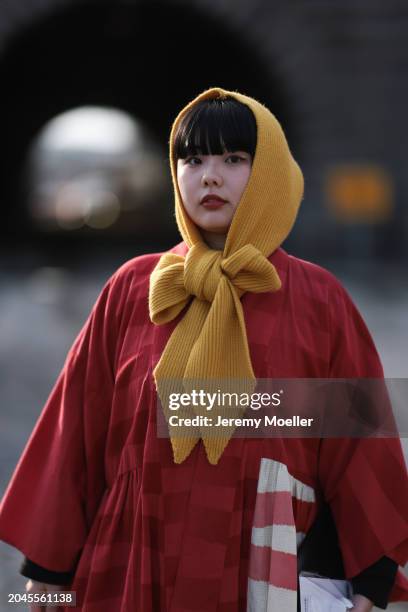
180, 178
185, 193
183, 182
244, 178
181, 186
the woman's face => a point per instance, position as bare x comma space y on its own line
224, 176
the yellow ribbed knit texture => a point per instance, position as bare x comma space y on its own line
210, 340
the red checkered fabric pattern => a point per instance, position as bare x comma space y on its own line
96, 491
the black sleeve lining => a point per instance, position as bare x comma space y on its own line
29, 569
376, 581
320, 553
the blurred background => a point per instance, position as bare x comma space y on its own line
88, 94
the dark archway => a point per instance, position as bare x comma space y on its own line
148, 59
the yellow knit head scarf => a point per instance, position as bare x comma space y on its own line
210, 340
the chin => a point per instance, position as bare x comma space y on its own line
215, 230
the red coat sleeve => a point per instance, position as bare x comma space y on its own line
364, 480
54, 493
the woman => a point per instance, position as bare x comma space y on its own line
132, 521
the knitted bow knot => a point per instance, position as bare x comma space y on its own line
201, 273
197, 347
249, 270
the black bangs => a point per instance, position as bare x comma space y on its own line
214, 126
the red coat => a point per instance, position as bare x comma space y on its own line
97, 490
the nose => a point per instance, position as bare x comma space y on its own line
211, 177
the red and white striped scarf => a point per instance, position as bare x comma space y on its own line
272, 583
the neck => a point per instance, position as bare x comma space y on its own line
214, 241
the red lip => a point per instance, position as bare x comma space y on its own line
212, 201
213, 204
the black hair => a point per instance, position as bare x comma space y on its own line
214, 126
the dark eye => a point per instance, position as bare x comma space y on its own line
189, 161
235, 159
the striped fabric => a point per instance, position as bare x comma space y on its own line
272, 582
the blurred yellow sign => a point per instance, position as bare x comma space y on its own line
360, 193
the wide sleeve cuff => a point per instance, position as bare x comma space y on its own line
376, 582
29, 569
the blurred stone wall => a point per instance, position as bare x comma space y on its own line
341, 67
